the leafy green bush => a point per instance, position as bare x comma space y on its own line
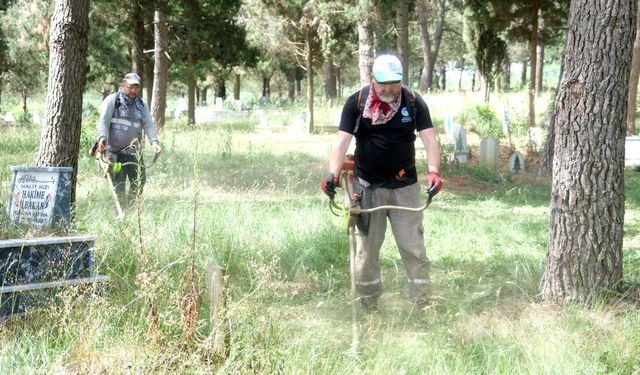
487, 122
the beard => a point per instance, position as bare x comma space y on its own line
387, 98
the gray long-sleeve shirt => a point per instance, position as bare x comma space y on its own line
106, 113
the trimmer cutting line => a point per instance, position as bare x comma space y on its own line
352, 197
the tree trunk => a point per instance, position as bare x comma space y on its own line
266, 87
426, 74
523, 75
291, 80
505, 82
68, 42
587, 196
309, 63
539, 68
402, 43
546, 164
429, 54
148, 59
191, 102
137, 50
365, 47
533, 44
203, 95
160, 71
633, 81
25, 95
221, 87
237, 77
330, 89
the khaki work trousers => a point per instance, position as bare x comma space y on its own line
409, 236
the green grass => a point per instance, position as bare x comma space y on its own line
261, 215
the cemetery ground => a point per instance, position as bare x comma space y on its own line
261, 215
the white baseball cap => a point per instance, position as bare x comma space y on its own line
387, 68
132, 79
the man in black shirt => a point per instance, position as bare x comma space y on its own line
384, 118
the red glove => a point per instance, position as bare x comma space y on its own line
435, 183
328, 185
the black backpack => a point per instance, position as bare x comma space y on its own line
364, 92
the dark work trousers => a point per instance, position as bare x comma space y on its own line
128, 172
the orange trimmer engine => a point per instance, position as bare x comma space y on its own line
349, 168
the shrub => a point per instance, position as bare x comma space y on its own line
487, 122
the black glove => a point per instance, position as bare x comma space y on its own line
328, 185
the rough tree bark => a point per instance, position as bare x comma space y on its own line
60, 139
402, 43
160, 70
633, 80
429, 54
587, 196
365, 47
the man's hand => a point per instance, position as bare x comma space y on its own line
329, 185
157, 149
102, 144
435, 183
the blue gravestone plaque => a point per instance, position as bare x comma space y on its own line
40, 196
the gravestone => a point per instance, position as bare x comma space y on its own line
489, 153
535, 138
238, 105
9, 119
506, 122
631, 151
219, 104
461, 152
516, 163
448, 127
40, 196
29, 265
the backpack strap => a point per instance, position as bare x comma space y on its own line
411, 102
363, 94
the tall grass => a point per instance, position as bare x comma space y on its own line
260, 215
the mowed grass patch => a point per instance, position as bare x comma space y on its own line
261, 215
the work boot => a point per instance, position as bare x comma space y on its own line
369, 304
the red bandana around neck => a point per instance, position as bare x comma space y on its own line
378, 111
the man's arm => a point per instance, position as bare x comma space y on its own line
430, 142
150, 129
339, 150
104, 120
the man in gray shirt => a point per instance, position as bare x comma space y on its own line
124, 119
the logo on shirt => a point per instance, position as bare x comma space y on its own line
405, 115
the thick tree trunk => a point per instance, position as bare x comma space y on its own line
533, 44
160, 70
221, 87
68, 42
633, 81
587, 196
402, 42
365, 48
330, 89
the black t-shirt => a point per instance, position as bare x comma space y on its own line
385, 154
